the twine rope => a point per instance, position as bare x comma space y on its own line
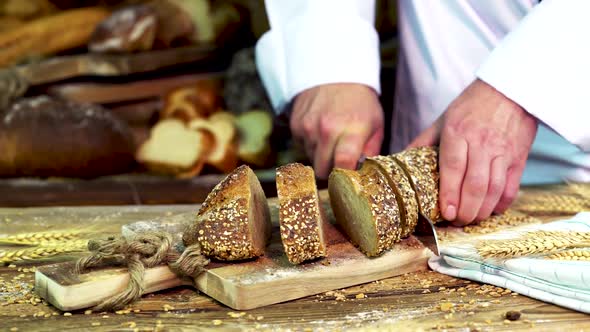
145, 250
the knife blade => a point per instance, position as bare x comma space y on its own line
425, 232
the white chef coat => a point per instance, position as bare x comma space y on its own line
536, 54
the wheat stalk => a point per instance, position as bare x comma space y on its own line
40, 238
554, 203
580, 189
571, 255
10, 256
494, 223
533, 243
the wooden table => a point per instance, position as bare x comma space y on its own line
408, 302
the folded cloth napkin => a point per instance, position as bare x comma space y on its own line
562, 282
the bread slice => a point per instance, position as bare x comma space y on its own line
421, 164
175, 149
223, 156
300, 214
255, 128
197, 101
400, 183
234, 221
366, 208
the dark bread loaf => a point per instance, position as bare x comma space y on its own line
46, 137
366, 208
300, 214
234, 221
400, 183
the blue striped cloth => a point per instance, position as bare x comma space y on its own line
562, 282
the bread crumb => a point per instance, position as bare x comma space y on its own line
67, 314
217, 322
360, 296
446, 306
260, 318
95, 324
236, 314
88, 312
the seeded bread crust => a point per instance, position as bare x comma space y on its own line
421, 164
225, 223
373, 188
300, 216
400, 183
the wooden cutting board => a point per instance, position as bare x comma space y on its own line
246, 285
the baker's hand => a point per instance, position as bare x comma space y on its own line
337, 123
485, 139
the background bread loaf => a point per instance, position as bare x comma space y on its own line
47, 137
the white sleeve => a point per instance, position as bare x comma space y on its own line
313, 42
544, 66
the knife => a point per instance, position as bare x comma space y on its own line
426, 233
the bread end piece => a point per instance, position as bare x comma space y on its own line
421, 165
300, 214
366, 208
234, 221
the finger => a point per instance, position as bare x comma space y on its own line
428, 137
373, 145
304, 126
452, 165
323, 156
511, 189
329, 131
348, 149
475, 185
497, 183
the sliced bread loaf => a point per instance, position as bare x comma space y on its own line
300, 214
421, 164
400, 183
366, 208
234, 221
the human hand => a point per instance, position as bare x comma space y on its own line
485, 139
337, 123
